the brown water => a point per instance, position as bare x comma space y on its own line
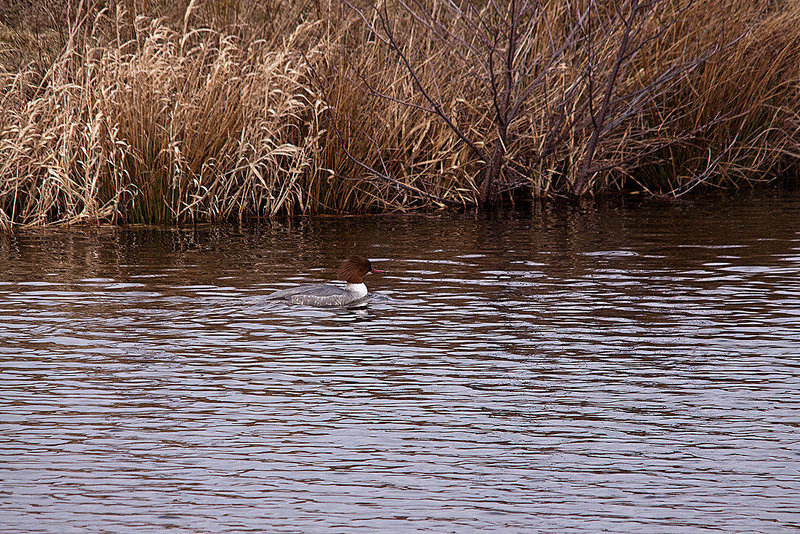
565, 369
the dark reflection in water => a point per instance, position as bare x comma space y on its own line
611, 368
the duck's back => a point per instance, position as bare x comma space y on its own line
316, 295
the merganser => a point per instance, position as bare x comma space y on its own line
352, 271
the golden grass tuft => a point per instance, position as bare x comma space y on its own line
163, 127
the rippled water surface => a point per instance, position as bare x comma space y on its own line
553, 370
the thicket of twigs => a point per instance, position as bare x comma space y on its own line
148, 111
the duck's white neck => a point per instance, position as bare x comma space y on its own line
359, 291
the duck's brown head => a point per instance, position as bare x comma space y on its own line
354, 269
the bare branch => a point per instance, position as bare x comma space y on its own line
413, 73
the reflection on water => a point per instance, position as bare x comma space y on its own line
561, 369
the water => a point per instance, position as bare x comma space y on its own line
559, 370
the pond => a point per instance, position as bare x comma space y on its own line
557, 369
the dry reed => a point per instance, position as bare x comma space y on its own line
222, 110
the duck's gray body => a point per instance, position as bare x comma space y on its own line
324, 295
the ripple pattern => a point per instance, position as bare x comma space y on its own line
559, 370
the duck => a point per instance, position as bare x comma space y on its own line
352, 272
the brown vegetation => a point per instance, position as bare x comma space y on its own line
140, 111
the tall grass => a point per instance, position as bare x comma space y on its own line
223, 110
164, 126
